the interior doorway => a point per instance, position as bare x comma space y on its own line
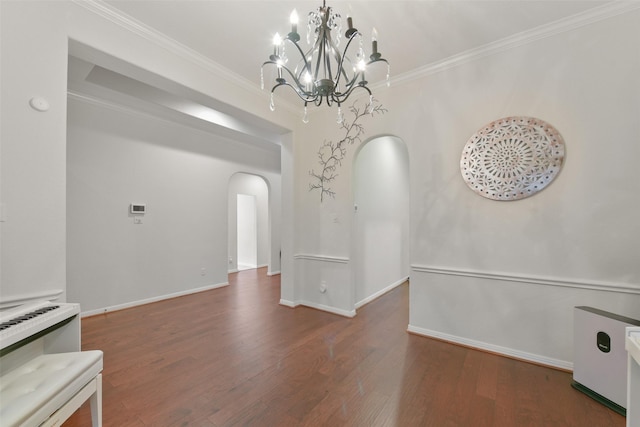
247, 254
380, 246
249, 238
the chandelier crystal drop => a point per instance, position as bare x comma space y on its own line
322, 73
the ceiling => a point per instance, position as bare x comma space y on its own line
237, 34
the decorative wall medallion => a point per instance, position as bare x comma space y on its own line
512, 158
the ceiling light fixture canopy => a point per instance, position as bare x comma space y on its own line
322, 73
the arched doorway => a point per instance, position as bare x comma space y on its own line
381, 218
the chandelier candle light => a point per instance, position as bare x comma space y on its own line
322, 74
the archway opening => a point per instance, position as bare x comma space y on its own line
248, 236
381, 218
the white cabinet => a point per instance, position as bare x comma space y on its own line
632, 344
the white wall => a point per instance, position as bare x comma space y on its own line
115, 158
32, 168
243, 183
380, 255
506, 275
513, 271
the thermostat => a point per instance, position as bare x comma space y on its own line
137, 208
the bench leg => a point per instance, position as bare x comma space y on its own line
96, 403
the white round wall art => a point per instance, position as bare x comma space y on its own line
512, 158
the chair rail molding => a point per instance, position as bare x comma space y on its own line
14, 301
321, 258
536, 280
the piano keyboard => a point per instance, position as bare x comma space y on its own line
20, 323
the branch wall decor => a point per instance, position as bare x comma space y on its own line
512, 158
331, 154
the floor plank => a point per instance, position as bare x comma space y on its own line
233, 356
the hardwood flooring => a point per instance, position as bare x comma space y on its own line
234, 357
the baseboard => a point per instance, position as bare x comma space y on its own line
333, 310
150, 300
381, 292
491, 348
287, 303
600, 398
235, 270
272, 273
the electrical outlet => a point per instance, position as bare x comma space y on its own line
323, 287
203, 271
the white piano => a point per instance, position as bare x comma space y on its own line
44, 375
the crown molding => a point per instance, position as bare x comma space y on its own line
112, 14
570, 23
600, 13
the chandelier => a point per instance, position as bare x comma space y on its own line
322, 73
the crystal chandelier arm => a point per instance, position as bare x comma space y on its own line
340, 60
377, 60
321, 54
344, 96
280, 79
307, 66
305, 96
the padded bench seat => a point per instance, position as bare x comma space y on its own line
51, 384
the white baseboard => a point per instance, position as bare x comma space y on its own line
288, 303
509, 352
235, 270
381, 292
272, 273
150, 300
322, 307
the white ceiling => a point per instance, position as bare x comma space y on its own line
412, 34
237, 35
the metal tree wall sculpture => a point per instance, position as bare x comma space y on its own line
331, 154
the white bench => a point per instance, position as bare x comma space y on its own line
49, 388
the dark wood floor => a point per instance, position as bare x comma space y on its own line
233, 356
